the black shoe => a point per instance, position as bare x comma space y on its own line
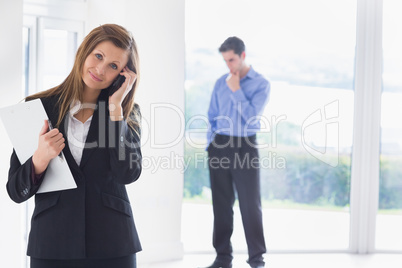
217, 265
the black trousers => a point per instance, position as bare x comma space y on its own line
122, 262
234, 166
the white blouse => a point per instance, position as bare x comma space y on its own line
77, 132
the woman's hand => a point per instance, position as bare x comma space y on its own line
50, 144
115, 101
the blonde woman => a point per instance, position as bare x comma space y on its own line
97, 129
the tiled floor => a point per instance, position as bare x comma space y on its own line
293, 261
302, 229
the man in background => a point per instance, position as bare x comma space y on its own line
237, 102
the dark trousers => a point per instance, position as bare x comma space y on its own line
122, 262
234, 166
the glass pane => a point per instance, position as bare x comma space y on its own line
306, 50
59, 53
25, 60
389, 217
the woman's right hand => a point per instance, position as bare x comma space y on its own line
50, 144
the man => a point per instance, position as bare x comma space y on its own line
237, 102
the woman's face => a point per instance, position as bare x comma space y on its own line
103, 65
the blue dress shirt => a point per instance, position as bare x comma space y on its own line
238, 113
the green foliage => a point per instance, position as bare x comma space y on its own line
291, 175
307, 180
304, 179
390, 182
197, 99
196, 175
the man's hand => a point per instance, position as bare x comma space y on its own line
233, 81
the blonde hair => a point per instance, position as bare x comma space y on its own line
72, 87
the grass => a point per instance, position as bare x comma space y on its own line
273, 204
390, 211
286, 204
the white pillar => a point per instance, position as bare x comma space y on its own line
12, 248
158, 27
366, 141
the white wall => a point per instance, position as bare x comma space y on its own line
11, 235
105, 11
158, 27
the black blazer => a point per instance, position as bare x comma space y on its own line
95, 219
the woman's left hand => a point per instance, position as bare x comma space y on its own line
117, 98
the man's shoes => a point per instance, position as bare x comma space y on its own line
217, 265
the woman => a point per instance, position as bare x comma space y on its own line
98, 132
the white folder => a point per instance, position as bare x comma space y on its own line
23, 122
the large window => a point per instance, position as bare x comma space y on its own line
59, 42
49, 51
307, 51
389, 218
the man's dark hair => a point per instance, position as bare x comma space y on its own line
233, 43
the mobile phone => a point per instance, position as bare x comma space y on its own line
116, 84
